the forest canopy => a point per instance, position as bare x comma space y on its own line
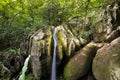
20, 17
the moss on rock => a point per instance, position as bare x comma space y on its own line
106, 64
80, 63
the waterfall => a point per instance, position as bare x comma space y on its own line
53, 74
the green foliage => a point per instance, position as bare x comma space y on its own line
31, 77
20, 17
10, 51
14, 51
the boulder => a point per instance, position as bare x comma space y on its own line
40, 51
106, 64
79, 64
114, 34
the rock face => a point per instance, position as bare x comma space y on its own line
80, 63
10, 66
68, 41
106, 64
40, 45
114, 34
41, 48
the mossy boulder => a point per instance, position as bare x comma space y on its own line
79, 64
106, 64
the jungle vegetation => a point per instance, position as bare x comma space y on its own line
18, 18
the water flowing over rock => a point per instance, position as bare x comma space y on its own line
74, 59
53, 73
80, 63
41, 48
106, 64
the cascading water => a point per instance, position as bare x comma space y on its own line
53, 74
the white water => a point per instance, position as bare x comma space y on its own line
53, 74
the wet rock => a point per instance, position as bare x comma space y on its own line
61, 41
40, 47
118, 28
65, 36
35, 54
36, 66
59, 51
114, 34
11, 66
83, 41
4, 72
89, 76
100, 31
79, 65
67, 41
106, 64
